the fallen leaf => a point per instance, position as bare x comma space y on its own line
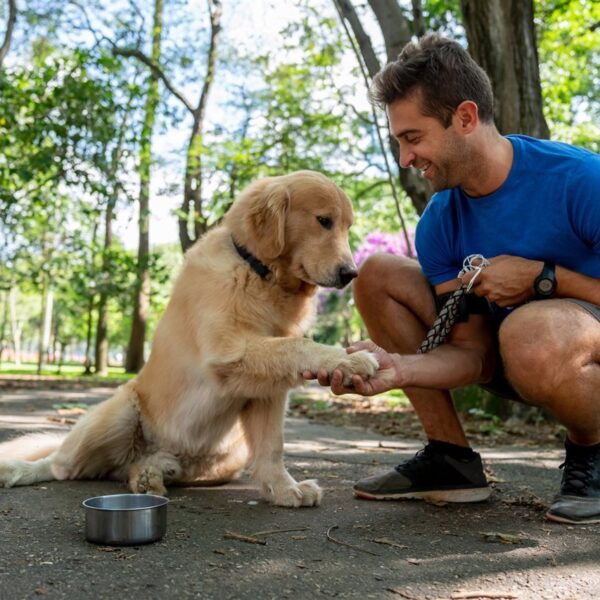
503, 538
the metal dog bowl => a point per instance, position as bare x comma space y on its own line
125, 519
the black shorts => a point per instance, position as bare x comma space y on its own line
471, 304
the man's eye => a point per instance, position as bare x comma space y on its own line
325, 222
413, 140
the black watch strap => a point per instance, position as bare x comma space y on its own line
545, 283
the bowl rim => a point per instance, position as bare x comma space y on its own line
162, 502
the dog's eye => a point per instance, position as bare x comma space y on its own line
325, 222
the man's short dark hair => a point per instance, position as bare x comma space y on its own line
442, 72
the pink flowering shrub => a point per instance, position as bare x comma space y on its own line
379, 241
375, 242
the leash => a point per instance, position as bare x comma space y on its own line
449, 313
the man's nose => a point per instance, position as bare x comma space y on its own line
406, 158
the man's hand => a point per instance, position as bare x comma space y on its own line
386, 378
507, 281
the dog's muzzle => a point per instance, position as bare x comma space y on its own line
345, 275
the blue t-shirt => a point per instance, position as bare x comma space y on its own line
547, 209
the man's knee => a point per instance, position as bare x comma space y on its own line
533, 351
381, 271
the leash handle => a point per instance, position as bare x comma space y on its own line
449, 313
444, 322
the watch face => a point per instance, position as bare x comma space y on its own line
545, 286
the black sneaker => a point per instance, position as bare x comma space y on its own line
432, 474
579, 499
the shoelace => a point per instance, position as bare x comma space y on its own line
422, 456
577, 474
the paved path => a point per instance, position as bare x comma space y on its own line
408, 550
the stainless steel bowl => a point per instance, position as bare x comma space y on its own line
125, 519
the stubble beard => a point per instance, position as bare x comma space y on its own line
448, 171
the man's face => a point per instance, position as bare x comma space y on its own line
439, 153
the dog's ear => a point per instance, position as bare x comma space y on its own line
266, 217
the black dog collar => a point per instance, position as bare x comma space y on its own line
259, 268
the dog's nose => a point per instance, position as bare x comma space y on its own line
346, 274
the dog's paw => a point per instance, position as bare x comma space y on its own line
361, 363
11, 472
304, 493
147, 480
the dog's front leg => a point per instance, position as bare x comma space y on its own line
262, 421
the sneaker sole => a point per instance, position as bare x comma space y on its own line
561, 519
459, 496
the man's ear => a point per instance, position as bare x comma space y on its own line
466, 116
266, 218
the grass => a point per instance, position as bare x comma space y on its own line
68, 371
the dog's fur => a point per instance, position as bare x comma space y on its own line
211, 398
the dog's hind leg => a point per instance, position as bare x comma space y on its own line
224, 464
149, 474
104, 441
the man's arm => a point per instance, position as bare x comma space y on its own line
508, 281
467, 357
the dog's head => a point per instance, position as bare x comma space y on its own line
300, 221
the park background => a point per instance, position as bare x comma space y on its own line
128, 128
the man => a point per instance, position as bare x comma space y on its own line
531, 328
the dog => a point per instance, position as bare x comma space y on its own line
211, 399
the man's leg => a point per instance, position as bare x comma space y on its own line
559, 341
397, 307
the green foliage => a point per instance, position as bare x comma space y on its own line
55, 121
65, 103
568, 41
69, 371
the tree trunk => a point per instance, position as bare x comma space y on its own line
101, 349
61, 355
418, 20
135, 350
10, 25
396, 31
5, 316
87, 360
191, 216
395, 27
501, 36
191, 221
16, 326
45, 323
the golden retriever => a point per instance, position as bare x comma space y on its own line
211, 398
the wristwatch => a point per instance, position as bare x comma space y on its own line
545, 283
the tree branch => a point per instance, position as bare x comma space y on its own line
346, 11
367, 54
139, 55
215, 29
418, 21
12, 17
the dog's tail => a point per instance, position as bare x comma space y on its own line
28, 459
31, 447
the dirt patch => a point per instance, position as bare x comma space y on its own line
379, 415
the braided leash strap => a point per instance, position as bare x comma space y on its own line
448, 315
443, 324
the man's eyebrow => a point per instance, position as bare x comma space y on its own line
405, 132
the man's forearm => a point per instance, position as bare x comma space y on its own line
446, 367
575, 285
